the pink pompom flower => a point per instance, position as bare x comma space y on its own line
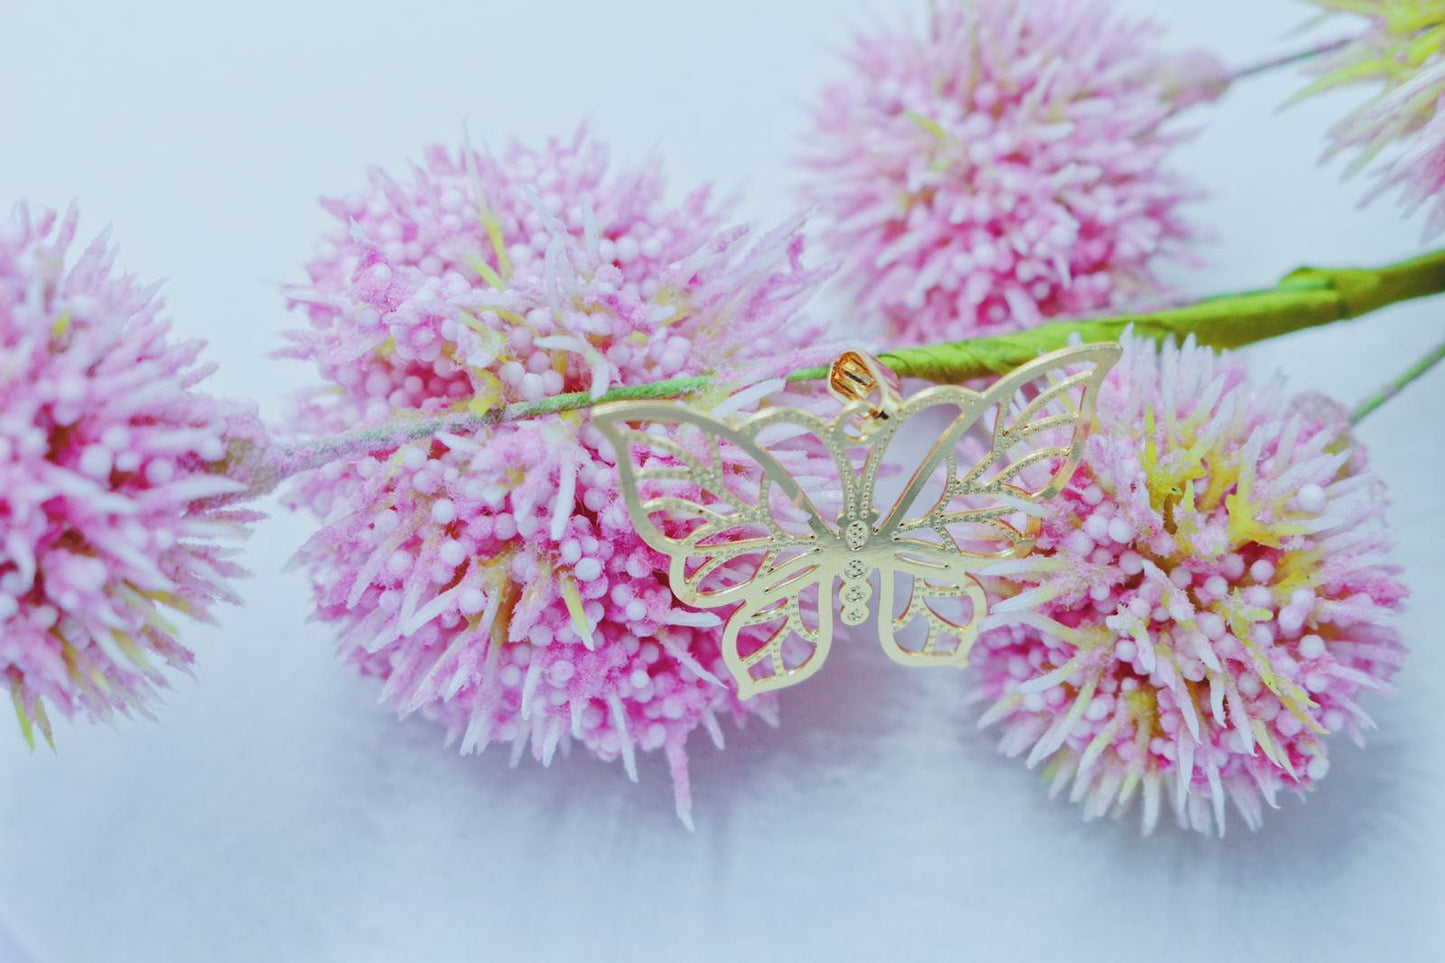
1209, 599
494, 580
112, 480
1401, 128
1004, 165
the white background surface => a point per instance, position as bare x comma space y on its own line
277, 814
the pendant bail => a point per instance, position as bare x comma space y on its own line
857, 376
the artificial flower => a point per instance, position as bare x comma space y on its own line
1209, 599
1002, 164
113, 480
493, 580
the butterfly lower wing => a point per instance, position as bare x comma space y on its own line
782, 633
719, 500
930, 608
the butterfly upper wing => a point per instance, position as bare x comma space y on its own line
738, 527
709, 496
977, 494
1041, 416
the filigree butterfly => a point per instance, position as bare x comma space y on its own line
774, 512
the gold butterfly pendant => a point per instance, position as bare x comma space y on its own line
774, 511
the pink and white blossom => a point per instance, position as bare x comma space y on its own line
494, 581
1210, 601
1003, 163
112, 480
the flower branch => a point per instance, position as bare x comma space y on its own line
1397, 384
1306, 298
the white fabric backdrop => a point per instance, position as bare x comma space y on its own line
277, 814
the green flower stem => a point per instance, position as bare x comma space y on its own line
1306, 298
1299, 56
1398, 384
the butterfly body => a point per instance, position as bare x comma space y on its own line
718, 496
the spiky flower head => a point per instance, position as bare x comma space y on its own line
1400, 53
111, 479
495, 581
1004, 164
1209, 598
